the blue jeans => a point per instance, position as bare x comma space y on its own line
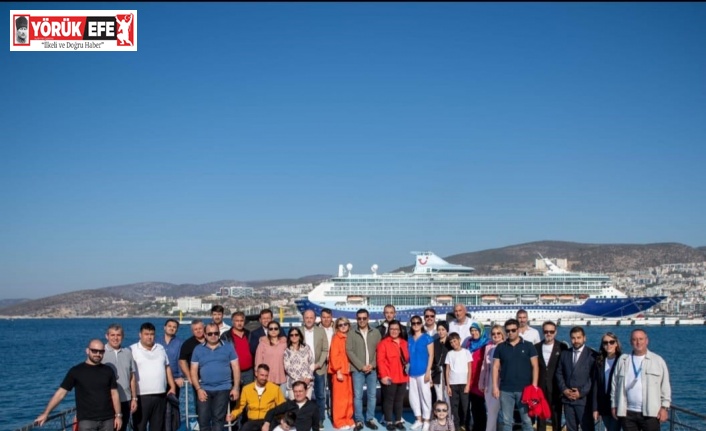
212, 412
508, 402
320, 394
371, 381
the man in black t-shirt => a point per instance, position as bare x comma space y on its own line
97, 399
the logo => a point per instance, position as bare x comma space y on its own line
73, 30
423, 262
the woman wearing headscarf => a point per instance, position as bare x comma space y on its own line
476, 344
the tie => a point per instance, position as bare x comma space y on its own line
576, 355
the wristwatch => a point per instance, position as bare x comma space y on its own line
118, 415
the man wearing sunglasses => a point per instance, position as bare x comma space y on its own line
548, 353
97, 399
217, 365
361, 346
514, 368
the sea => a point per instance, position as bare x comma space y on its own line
35, 355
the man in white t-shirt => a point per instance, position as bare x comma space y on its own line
462, 323
527, 332
153, 376
641, 393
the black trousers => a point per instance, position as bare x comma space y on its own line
252, 425
635, 421
150, 410
480, 417
125, 410
392, 401
459, 405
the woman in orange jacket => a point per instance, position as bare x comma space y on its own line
341, 380
393, 365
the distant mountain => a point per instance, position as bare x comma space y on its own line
9, 302
116, 300
581, 257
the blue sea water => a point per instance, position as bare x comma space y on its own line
35, 354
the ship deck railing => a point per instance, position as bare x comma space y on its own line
680, 419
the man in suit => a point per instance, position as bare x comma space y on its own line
390, 314
548, 353
573, 376
265, 319
316, 340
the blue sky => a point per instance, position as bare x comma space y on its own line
254, 141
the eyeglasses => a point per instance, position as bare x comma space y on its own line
441, 410
97, 351
361, 318
510, 330
417, 323
496, 333
611, 342
341, 325
274, 328
429, 316
211, 334
549, 332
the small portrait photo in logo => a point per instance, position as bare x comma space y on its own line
22, 30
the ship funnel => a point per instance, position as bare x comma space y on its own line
340, 270
349, 267
374, 268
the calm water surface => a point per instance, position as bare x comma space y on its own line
35, 354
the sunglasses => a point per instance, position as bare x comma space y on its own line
429, 316
341, 325
211, 334
510, 331
361, 318
97, 351
441, 410
293, 335
549, 332
274, 328
417, 323
611, 342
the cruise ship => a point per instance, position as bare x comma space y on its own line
436, 283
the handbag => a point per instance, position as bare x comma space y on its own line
405, 364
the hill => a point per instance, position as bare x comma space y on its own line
581, 256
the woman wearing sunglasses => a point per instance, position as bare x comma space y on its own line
270, 351
421, 358
602, 380
485, 380
341, 380
298, 361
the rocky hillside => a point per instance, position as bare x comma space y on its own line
581, 257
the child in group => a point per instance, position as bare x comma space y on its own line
287, 422
441, 421
458, 380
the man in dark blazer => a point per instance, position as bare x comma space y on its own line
256, 334
573, 376
307, 414
548, 352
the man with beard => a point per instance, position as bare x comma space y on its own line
548, 353
573, 376
97, 399
172, 345
240, 338
307, 411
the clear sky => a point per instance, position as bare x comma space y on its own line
254, 141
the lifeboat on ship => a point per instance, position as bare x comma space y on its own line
489, 298
528, 299
355, 299
508, 298
583, 296
444, 298
548, 297
566, 298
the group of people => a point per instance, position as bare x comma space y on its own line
457, 375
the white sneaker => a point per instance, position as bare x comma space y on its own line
416, 425
426, 426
